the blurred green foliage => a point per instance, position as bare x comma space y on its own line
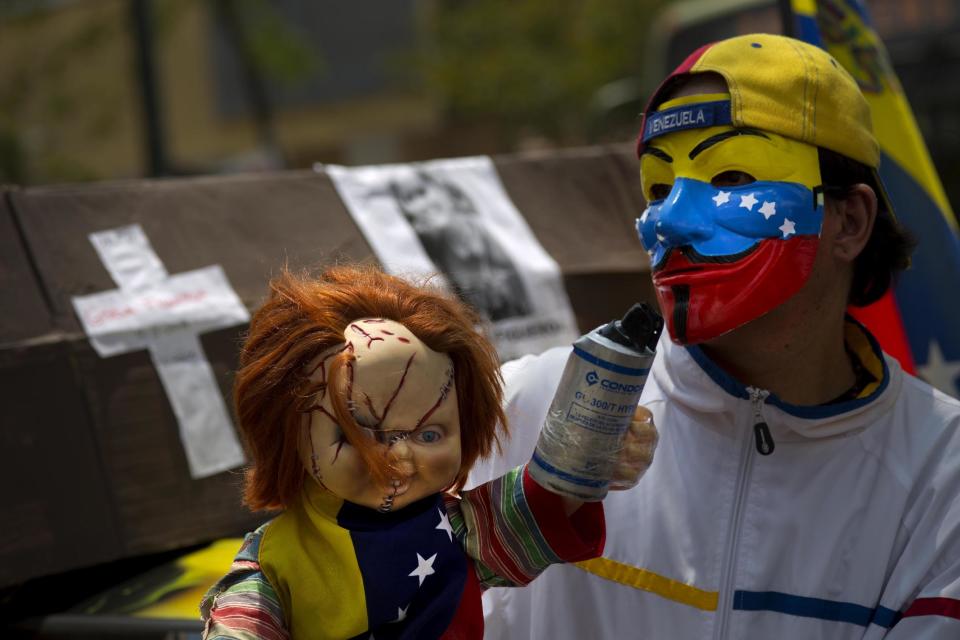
526, 68
533, 66
42, 101
281, 52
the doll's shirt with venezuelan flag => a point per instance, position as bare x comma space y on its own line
330, 569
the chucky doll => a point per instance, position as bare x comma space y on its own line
363, 401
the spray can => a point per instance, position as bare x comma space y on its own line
594, 404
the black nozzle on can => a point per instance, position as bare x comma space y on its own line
640, 328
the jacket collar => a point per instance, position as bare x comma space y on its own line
688, 376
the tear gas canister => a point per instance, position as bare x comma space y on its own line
591, 411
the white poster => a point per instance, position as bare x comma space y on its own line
454, 217
165, 314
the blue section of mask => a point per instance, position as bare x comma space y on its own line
722, 222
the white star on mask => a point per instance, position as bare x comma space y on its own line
424, 567
401, 614
769, 209
445, 525
721, 198
788, 227
748, 201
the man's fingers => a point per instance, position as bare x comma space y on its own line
642, 414
639, 445
640, 450
642, 428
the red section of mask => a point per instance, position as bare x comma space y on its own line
723, 297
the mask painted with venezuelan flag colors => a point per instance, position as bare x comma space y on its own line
733, 220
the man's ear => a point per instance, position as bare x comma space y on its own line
857, 213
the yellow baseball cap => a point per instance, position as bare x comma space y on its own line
776, 84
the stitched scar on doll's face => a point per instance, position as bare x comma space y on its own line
383, 427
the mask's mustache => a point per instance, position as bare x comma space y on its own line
695, 257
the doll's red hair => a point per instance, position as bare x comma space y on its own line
305, 316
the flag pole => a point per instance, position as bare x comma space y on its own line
786, 18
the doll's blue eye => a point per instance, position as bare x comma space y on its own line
429, 436
339, 438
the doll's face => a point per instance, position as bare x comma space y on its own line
402, 394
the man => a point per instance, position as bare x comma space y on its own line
804, 486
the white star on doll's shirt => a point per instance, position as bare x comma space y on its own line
445, 525
748, 201
424, 567
401, 614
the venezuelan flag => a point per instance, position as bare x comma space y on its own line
919, 323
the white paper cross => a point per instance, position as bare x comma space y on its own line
166, 314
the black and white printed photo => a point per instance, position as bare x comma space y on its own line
448, 225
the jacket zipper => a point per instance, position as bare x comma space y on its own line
761, 432
763, 442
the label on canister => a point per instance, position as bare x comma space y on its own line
590, 413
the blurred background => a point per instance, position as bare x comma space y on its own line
109, 536
105, 89
101, 89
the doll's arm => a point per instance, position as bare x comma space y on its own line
248, 609
513, 529
243, 605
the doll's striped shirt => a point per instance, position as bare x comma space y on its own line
415, 573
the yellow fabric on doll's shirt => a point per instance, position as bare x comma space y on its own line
310, 561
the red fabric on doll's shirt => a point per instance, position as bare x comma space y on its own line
467, 624
578, 537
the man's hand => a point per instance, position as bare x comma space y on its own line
634, 458
637, 453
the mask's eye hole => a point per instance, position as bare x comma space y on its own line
659, 191
732, 179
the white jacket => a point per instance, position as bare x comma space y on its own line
850, 528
